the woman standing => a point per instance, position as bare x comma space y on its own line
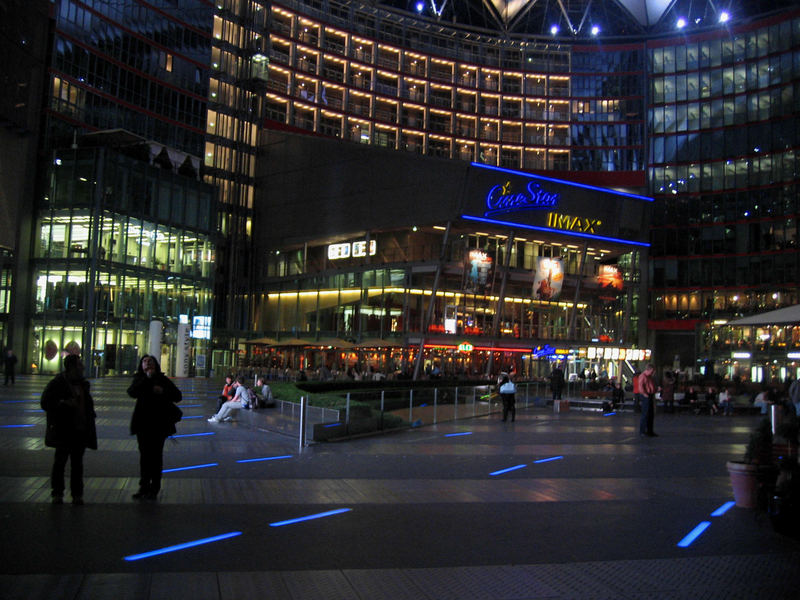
154, 418
70, 427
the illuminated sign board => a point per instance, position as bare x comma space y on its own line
570, 223
465, 347
503, 198
352, 250
201, 328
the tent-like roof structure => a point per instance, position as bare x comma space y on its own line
578, 18
789, 315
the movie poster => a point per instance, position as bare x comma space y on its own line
479, 268
548, 279
609, 279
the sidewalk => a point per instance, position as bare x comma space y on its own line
563, 506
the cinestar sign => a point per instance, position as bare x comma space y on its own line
502, 198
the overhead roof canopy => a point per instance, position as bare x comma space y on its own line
782, 316
577, 18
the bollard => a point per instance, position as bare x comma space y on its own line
775, 417
303, 413
383, 394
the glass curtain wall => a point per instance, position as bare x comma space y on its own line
393, 301
239, 70
374, 77
102, 275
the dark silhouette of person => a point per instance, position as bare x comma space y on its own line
152, 422
9, 364
557, 381
70, 427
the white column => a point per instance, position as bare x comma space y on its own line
154, 348
183, 351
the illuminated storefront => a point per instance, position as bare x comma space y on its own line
121, 243
495, 260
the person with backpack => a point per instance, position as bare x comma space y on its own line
507, 391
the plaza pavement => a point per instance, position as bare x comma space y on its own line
558, 506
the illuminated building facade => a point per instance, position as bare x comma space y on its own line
377, 77
430, 257
724, 138
236, 90
122, 243
122, 227
702, 121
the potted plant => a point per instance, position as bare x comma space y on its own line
784, 505
752, 477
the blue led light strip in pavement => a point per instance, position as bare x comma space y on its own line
183, 546
542, 460
723, 509
500, 472
249, 460
15, 426
457, 434
608, 414
193, 434
310, 517
694, 534
190, 468
191, 417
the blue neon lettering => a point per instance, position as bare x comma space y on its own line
501, 198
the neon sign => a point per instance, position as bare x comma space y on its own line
570, 223
501, 198
352, 250
465, 347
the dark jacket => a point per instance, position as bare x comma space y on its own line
153, 413
67, 425
557, 379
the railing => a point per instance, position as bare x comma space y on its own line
371, 410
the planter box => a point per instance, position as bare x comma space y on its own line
751, 482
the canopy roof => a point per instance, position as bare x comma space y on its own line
577, 18
782, 316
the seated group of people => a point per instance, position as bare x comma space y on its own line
712, 401
236, 395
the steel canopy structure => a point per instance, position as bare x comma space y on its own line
602, 19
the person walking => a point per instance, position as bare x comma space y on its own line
647, 389
70, 427
153, 421
507, 394
9, 364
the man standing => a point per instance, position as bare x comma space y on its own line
557, 381
10, 362
647, 389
